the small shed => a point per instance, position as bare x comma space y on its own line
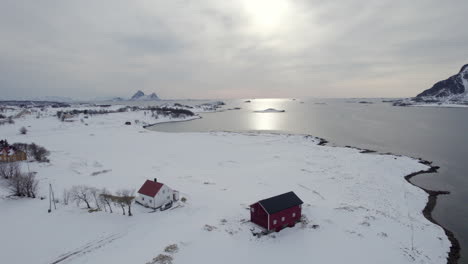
277, 212
155, 194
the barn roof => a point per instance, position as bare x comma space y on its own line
280, 202
150, 188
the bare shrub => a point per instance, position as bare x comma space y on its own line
209, 228
30, 184
171, 248
66, 196
23, 131
9, 169
161, 259
23, 184
39, 153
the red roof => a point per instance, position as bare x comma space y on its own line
150, 188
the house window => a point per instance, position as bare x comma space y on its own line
151, 201
294, 215
282, 219
164, 191
252, 209
274, 222
142, 198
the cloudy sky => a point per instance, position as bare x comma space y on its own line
229, 49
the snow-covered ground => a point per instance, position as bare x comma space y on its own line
365, 211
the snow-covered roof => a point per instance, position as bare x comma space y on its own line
150, 188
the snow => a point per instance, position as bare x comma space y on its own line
365, 210
464, 78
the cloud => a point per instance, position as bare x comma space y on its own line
208, 48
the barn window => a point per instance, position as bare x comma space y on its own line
294, 215
282, 219
274, 222
252, 209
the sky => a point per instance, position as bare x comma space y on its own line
229, 49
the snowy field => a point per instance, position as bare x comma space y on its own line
365, 211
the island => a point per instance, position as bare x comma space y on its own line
270, 110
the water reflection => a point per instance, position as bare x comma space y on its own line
267, 121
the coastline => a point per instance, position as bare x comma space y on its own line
172, 121
454, 253
222, 171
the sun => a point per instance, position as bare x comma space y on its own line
267, 16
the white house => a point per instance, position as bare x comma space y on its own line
155, 194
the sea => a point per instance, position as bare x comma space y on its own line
437, 134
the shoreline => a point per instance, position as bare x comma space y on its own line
454, 253
171, 121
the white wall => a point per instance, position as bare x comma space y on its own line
163, 197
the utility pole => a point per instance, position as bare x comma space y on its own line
51, 198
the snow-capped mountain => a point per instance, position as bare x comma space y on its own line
140, 96
455, 85
452, 91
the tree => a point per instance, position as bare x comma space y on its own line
119, 201
127, 196
106, 198
95, 193
81, 193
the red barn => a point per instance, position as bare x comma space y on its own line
277, 212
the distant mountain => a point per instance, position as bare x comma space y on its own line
455, 85
140, 96
452, 91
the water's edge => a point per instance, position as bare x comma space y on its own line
454, 253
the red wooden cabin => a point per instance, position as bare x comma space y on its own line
277, 212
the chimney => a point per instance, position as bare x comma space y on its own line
155, 180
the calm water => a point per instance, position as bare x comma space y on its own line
436, 134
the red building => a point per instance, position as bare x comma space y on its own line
277, 212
